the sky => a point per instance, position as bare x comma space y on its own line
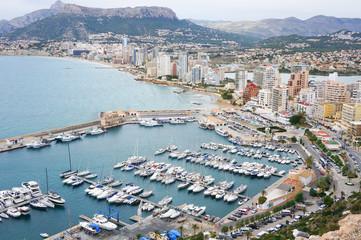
229, 10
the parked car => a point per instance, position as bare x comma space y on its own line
253, 226
232, 218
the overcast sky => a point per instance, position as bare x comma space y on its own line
232, 10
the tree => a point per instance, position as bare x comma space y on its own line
248, 234
262, 200
252, 219
276, 115
224, 229
293, 139
138, 235
328, 201
309, 162
239, 224
230, 228
299, 198
253, 109
313, 192
304, 210
181, 228
195, 228
263, 192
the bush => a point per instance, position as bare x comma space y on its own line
224, 229
299, 198
328, 201
262, 200
313, 192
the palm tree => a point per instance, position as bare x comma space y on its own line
304, 210
263, 192
248, 234
309, 162
195, 228
253, 109
181, 228
276, 115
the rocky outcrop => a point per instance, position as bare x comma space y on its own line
350, 229
59, 7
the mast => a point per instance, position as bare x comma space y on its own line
47, 185
69, 156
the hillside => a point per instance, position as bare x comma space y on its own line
73, 22
283, 27
340, 40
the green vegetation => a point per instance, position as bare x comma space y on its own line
227, 95
169, 77
293, 139
323, 221
262, 200
274, 129
224, 229
299, 198
298, 119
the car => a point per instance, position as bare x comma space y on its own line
245, 229
253, 226
279, 226
271, 230
232, 218
260, 234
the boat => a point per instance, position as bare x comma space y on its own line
160, 151
198, 188
240, 189
282, 172
78, 182
55, 198
4, 215
90, 227
68, 172
13, 212
103, 222
83, 173
232, 198
91, 175
69, 137
115, 184
107, 180
37, 204
183, 185
96, 131
24, 210
176, 121
33, 187
119, 165
44, 235
146, 194
165, 201
37, 144
222, 132
197, 211
47, 202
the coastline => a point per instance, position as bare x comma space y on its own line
221, 103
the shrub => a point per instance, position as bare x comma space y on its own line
313, 192
299, 198
262, 200
224, 229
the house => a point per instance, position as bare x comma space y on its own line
216, 112
215, 121
15, 140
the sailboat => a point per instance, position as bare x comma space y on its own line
68, 172
85, 172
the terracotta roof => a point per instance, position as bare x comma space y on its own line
291, 182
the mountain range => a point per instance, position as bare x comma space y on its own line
282, 27
73, 22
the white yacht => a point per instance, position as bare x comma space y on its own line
90, 227
55, 198
240, 189
24, 210
37, 144
6, 197
165, 201
115, 184
96, 131
91, 175
222, 132
103, 222
176, 121
13, 212
33, 187
83, 173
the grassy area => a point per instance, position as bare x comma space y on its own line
305, 125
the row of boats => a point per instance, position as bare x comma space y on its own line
97, 223
65, 137
12, 202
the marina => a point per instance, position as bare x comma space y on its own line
85, 155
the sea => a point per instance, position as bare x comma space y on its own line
43, 93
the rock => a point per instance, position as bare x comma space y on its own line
314, 237
350, 229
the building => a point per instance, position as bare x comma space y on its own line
212, 77
335, 91
298, 80
241, 79
351, 112
265, 98
356, 92
250, 91
216, 112
258, 73
216, 121
197, 74
112, 118
221, 71
271, 78
355, 129
288, 189
182, 66
306, 108
280, 98
307, 95
163, 65
155, 52
125, 42
328, 111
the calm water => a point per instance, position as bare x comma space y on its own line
38, 93
103, 150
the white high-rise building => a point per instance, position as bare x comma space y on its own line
271, 78
197, 74
241, 79
125, 42
163, 65
212, 77
307, 95
280, 98
182, 66
265, 98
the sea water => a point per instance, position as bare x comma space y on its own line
39, 93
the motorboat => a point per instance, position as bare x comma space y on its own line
13, 212
197, 211
165, 201
104, 223
24, 210
160, 151
240, 189
198, 188
6, 197
69, 137
128, 168
91, 175
78, 182
37, 144
208, 191
115, 184
47, 202
282, 172
17, 196
147, 207
176, 121
183, 185
232, 198
96, 131
90, 227
4, 215
55, 198
222, 132
33, 187
107, 180
146, 194
68, 173
44, 235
